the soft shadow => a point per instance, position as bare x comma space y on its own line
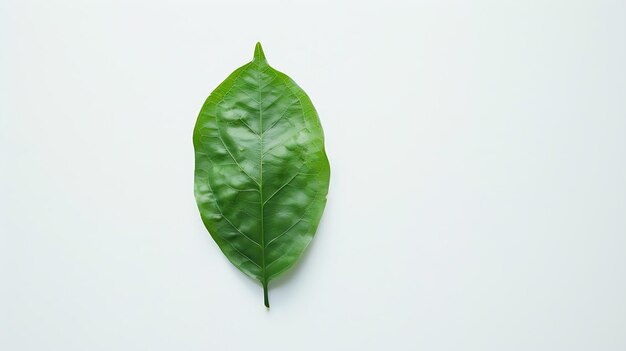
286, 277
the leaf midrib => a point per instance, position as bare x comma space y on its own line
260, 102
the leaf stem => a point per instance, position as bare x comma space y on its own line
265, 298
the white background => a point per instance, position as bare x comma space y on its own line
478, 191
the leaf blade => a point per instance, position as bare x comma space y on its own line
262, 173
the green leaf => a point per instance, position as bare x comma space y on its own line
262, 173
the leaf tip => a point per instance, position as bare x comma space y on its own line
259, 56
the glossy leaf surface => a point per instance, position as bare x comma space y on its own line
261, 174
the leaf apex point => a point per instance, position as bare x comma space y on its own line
259, 55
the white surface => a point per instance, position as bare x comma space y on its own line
478, 192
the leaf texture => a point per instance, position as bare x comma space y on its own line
262, 174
